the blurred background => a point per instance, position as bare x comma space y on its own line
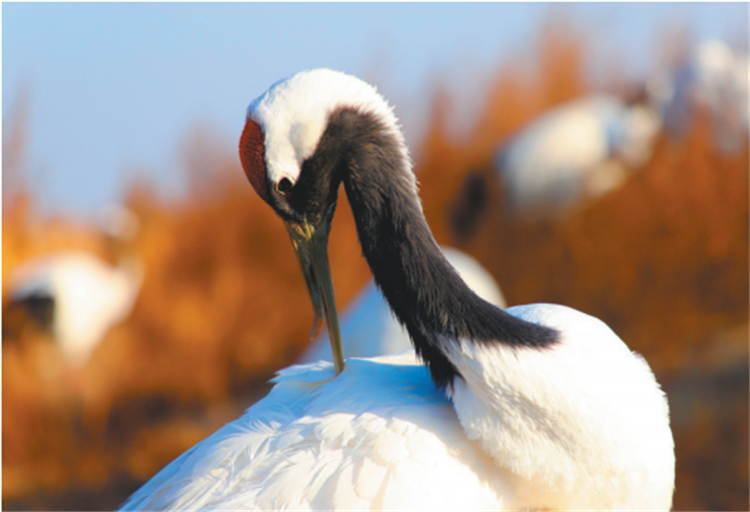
594, 155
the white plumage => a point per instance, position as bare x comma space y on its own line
583, 426
535, 431
555, 412
715, 77
368, 327
378, 436
88, 296
582, 149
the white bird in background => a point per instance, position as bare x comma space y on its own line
580, 150
533, 407
368, 327
78, 296
715, 77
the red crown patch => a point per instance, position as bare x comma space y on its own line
251, 156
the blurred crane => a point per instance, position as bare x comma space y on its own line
582, 149
713, 77
369, 329
75, 295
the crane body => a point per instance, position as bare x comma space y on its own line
533, 407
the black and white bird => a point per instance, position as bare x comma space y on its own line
714, 77
533, 407
577, 151
76, 295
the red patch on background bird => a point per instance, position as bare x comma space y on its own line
251, 156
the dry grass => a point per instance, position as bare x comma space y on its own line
663, 260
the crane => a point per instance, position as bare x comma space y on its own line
713, 76
533, 407
76, 295
579, 150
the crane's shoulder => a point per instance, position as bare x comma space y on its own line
584, 414
379, 435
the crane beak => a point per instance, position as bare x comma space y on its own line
311, 246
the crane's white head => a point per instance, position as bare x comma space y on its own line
285, 161
285, 124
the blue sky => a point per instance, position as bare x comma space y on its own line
117, 88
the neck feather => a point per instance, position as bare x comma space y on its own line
424, 291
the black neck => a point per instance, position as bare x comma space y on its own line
424, 291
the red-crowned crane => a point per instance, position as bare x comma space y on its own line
715, 77
77, 296
533, 407
577, 151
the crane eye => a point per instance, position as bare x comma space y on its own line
284, 185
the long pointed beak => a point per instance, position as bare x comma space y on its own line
311, 246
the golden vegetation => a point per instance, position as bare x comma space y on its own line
663, 260
223, 306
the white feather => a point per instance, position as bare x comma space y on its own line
294, 113
567, 428
378, 436
89, 295
716, 77
583, 424
575, 151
